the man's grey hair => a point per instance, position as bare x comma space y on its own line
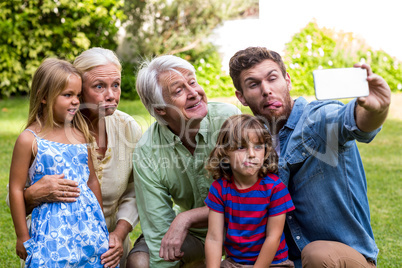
148, 85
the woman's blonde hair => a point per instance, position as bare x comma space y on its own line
49, 80
95, 57
234, 133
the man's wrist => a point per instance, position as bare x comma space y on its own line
184, 220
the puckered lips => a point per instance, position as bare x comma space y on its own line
108, 106
250, 163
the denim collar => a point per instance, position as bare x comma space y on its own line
297, 111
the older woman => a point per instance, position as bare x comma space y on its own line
116, 134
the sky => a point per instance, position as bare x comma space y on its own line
378, 22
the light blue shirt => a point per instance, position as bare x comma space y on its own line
321, 165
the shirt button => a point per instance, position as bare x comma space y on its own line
290, 217
297, 237
303, 154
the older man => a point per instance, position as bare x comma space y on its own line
319, 160
170, 181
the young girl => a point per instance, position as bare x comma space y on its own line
55, 142
247, 201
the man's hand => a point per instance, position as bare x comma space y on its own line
51, 188
372, 110
379, 98
173, 240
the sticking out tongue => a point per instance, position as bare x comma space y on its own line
274, 104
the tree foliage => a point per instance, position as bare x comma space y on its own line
320, 48
180, 27
208, 65
31, 30
156, 27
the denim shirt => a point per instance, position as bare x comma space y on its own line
321, 165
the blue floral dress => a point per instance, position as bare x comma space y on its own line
65, 234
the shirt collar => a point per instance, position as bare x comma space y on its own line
203, 132
173, 138
297, 110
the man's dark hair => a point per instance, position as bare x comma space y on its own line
249, 57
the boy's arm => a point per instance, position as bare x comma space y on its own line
214, 239
18, 174
270, 247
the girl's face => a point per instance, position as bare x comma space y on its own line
67, 102
101, 90
247, 160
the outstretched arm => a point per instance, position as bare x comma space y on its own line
371, 111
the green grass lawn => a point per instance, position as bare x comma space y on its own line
382, 160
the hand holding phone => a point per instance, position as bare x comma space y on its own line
340, 83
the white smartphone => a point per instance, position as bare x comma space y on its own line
340, 83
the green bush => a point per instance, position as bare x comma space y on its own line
156, 27
207, 63
128, 80
320, 48
208, 66
386, 66
33, 30
180, 27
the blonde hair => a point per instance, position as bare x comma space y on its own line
95, 57
234, 133
49, 80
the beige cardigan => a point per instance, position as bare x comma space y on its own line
115, 173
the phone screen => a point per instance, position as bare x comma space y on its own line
340, 83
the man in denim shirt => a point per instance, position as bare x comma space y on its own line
319, 160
